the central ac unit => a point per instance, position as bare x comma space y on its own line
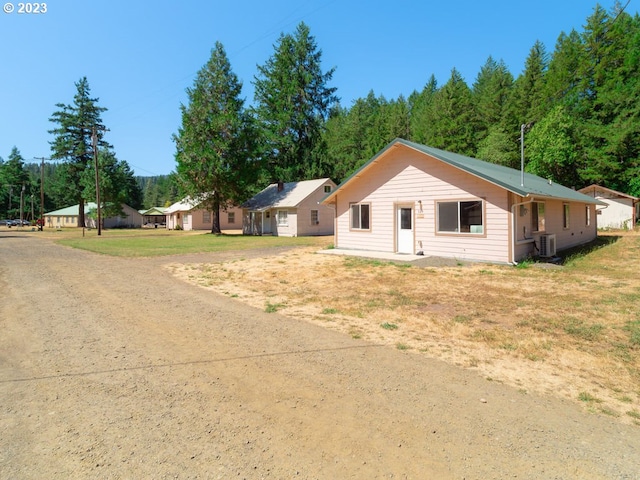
548, 245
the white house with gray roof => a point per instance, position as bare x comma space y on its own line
290, 209
414, 199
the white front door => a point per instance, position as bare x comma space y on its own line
266, 222
404, 225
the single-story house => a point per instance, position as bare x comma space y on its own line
153, 217
290, 209
68, 217
621, 210
187, 214
414, 199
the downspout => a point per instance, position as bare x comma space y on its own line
513, 229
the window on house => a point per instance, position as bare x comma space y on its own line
461, 217
231, 217
206, 217
283, 219
537, 217
360, 216
327, 189
314, 217
588, 215
565, 215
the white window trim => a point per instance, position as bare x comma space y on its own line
286, 218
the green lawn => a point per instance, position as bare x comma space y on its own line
151, 243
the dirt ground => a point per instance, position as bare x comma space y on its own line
114, 368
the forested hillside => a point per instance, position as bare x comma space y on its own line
578, 105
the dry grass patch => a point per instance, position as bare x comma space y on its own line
572, 331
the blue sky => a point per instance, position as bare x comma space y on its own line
139, 57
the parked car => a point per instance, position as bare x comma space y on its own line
25, 223
9, 223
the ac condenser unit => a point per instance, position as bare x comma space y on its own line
548, 245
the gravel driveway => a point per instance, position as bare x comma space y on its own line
111, 368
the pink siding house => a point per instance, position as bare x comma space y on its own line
415, 199
188, 215
290, 209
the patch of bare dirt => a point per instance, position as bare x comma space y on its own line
477, 316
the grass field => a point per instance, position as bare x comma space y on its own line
150, 243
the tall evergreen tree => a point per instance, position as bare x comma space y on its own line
562, 79
215, 144
490, 94
73, 139
529, 103
421, 111
13, 178
610, 92
293, 102
453, 118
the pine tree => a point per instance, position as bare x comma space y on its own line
421, 112
13, 178
73, 140
452, 117
215, 144
610, 94
293, 103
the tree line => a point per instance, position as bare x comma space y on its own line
577, 109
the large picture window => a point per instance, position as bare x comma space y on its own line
461, 217
360, 216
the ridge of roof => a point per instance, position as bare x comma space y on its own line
508, 178
291, 194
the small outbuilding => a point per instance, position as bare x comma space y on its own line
153, 217
621, 211
415, 199
290, 209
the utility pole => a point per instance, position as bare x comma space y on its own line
523, 127
10, 195
94, 140
21, 205
41, 221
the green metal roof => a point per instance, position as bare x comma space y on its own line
153, 211
72, 210
508, 178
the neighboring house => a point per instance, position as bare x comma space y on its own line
68, 217
187, 214
621, 210
414, 199
290, 209
153, 217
